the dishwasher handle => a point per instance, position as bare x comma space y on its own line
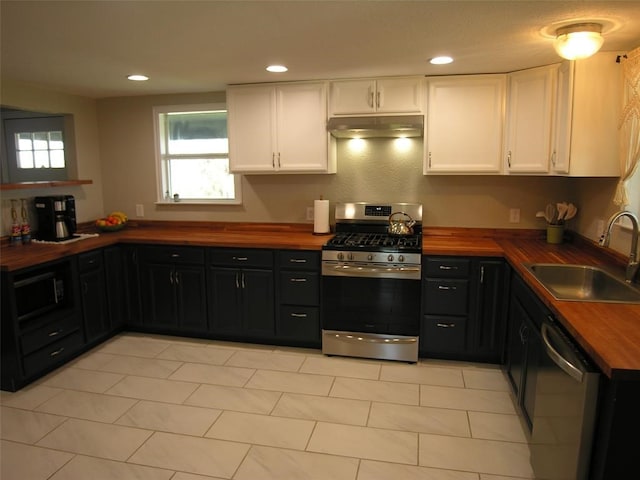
569, 368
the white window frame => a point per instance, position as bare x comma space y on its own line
160, 167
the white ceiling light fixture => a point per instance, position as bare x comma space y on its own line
441, 60
580, 40
277, 68
138, 78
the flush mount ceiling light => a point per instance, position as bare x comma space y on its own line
138, 78
442, 60
580, 40
277, 68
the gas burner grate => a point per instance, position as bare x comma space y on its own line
374, 240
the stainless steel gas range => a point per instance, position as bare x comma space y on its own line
371, 272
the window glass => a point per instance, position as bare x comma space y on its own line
193, 155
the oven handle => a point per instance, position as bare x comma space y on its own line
370, 271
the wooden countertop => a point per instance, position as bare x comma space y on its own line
608, 332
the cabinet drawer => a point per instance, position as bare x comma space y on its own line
299, 288
299, 323
171, 254
299, 259
446, 297
52, 354
446, 267
48, 333
241, 257
90, 260
444, 334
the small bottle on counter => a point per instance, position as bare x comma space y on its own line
16, 230
25, 229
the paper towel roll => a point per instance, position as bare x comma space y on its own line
321, 216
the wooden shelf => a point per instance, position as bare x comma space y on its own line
44, 184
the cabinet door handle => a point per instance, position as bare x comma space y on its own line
298, 280
55, 333
447, 287
273, 159
237, 280
85, 288
299, 315
448, 267
134, 257
176, 276
57, 352
482, 274
553, 158
370, 97
445, 325
297, 260
378, 96
279, 160
429, 159
242, 280
509, 158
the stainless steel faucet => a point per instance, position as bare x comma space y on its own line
633, 265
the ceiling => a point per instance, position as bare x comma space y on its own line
89, 47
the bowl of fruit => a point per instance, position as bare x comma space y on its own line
113, 222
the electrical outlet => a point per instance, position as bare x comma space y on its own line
309, 213
514, 215
139, 210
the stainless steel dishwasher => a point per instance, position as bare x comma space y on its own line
565, 409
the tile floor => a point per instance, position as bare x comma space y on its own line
151, 407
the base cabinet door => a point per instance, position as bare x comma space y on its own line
93, 291
258, 303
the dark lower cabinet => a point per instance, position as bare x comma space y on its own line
95, 305
241, 293
464, 308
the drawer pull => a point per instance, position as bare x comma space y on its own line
298, 279
57, 352
55, 333
175, 255
448, 267
447, 287
299, 315
241, 259
297, 260
445, 325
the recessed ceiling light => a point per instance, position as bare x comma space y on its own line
277, 68
443, 60
138, 78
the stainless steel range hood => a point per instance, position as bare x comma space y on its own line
372, 127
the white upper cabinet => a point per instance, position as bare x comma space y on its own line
279, 129
465, 117
588, 109
530, 115
401, 95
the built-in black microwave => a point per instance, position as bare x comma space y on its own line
41, 291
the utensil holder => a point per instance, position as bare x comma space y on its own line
555, 234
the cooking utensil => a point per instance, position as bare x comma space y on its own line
571, 211
401, 227
550, 213
562, 210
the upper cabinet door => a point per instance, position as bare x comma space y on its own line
530, 113
369, 96
465, 116
252, 128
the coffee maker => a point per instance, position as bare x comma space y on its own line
56, 217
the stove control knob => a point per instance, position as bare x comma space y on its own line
401, 258
340, 256
350, 256
390, 258
370, 257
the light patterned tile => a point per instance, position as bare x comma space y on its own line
484, 476
326, 409
143, 367
466, 399
26, 426
213, 374
196, 354
166, 417
265, 463
136, 346
371, 470
25, 462
291, 382
262, 430
191, 476
375, 390
470, 454
234, 398
85, 380
486, 380
112, 442
365, 442
266, 360
88, 406
428, 375
419, 419
92, 360
202, 456
83, 468
341, 367
495, 426
144, 388
29, 397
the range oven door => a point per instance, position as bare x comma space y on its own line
371, 305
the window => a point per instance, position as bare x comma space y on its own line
193, 155
35, 149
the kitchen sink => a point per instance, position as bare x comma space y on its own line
583, 283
